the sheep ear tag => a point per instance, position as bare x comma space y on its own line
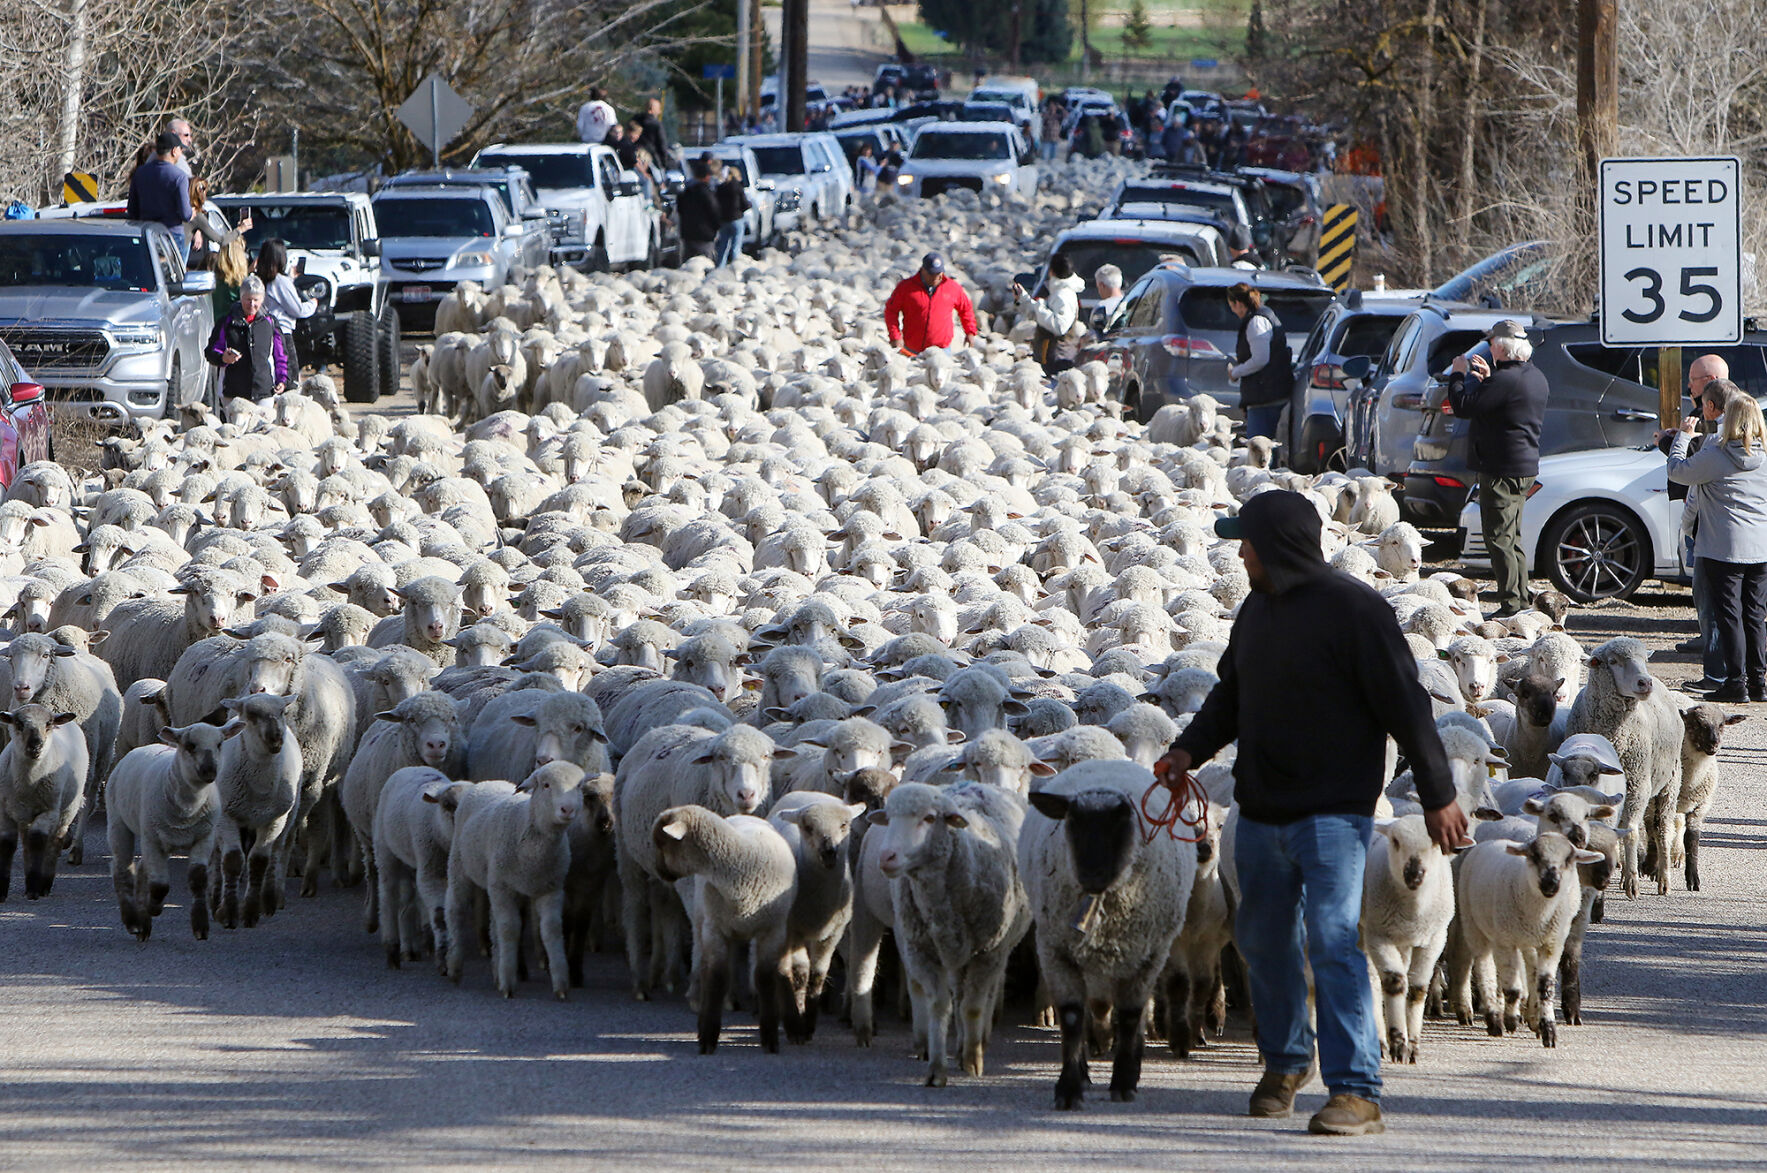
1087, 916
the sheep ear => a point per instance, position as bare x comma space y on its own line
1050, 806
1605, 811
233, 728
954, 736
794, 816
785, 753
775, 713
1558, 684
341, 586
64, 650
1583, 856
855, 809
1606, 769
522, 719
674, 829
169, 736
1534, 806
1465, 845
1515, 848
389, 715
97, 637
1730, 720
1502, 657
1042, 770
878, 819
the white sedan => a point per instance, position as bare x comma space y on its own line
1597, 523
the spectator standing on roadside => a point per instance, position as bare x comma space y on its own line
1730, 539
920, 310
1263, 365
865, 169
733, 201
283, 303
1057, 315
187, 137
1505, 408
1315, 678
159, 191
1108, 280
595, 117
624, 141
650, 129
888, 170
1052, 120
231, 270
248, 348
1702, 373
697, 210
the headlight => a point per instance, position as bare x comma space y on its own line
320, 289
1004, 178
469, 260
139, 336
904, 180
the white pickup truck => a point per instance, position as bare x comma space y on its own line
609, 218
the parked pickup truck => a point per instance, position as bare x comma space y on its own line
609, 218
335, 247
102, 313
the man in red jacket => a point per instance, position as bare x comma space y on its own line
918, 314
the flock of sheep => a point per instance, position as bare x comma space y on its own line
703, 621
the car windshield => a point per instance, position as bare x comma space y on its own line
80, 261
1133, 257
735, 163
1003, 97
500, 186
1285, 201
561, 171
780, 160
1367, 334
985, 112
404, 216
296, 225
1502, 273
1193, 197
968, 148
1205, 308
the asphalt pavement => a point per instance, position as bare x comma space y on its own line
292, 1045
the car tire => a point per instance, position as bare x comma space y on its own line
175, 387
1318, 447
389, 338
597, 259
1596, 550
361, 357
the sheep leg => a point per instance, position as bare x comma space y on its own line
975, 1005
315, 823
635, 918
155, 876
938, 1022
1545, 984
549, 915
8, 846
1390, 966
506, 928
457, 924
38, 873
1632, 820
1070, 1085
393, 900
1484, 968
122, 873
1678, 841
1131, 1015
232, 864
1512, 976
1658, 820
1571, 966
1179, 1030
98, 769
411, 914
713, 952
257, 875
773, 991
1691, 840
864, 943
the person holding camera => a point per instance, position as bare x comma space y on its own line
1057, 315
1504, 404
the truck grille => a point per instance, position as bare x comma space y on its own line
42, 351
74, 395
933, 187
420, 264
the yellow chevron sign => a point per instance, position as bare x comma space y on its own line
1337, 246
79, 187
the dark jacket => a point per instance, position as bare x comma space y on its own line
1275, 380
1315, 676
650, 136
697, 209
262, 364
733, 201
160, 192
1504, 414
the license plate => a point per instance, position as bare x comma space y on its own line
418, 293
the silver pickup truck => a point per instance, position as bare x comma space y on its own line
102, 312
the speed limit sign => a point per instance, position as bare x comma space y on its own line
1671, 255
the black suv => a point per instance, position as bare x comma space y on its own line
1599, 397
1169, 183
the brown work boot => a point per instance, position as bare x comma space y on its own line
1274, 1096
1347, 1115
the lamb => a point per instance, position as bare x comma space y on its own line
975, 700
1704, 725
413, 832
744, 878
593, 864
421, 731
999, 759
1107, 904
144, 715
37, 670
526, 729
1474, 661
788, 674
42, 792
817, 828
160, 800
1195, 994
1146, 732
951, 856
852, 744
258, 786
1516, 905
512, 843
431, 618
148, 635
1539, 725
676, 765
1407, 904
1624, 703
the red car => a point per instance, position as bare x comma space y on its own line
24, 419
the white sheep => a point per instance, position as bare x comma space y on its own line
42, 791
160, 800
1704, 725
817, 828
37, 670
258, 786
413, 831
1407, 904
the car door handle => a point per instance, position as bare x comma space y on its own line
1634, 416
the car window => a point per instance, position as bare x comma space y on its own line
1134, 257
410, 216
1120, 318
1285, 200
610, 175
1149, 312
1455, 342
1621, 362
1400, 347
558, 171
1314, 341
171, 270
1205, 308
1365, 334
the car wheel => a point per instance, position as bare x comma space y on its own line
1319, 447
361, 358
390, 339
175, 387
597, 262
1596, 550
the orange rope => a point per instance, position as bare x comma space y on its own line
1179, 800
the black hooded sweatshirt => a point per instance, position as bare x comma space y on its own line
1315, 676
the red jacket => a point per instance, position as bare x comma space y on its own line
918, 319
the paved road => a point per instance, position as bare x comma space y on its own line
846, 43
292, 1044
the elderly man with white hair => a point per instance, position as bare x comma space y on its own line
1505, 409
1108, 280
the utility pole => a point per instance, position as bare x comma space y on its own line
1018, 12
796, 17
757, 54
743, 20
1085, 43
1598, 83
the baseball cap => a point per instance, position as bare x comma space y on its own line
168, 140
1231, 528
1507, 328
932, 263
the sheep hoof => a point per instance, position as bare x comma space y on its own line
1494, 1025
393, 957
1549, 1034
562, 995
76, 855
936, 1079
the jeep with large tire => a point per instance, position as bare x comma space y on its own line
334, 248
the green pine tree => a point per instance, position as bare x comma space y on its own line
1137, 28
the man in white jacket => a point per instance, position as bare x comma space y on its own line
596, 117
1057, 315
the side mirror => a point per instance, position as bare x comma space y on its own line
371, 248
534, 214
513, 230
1358, 367
199, 282
629, 187
25, 392
822, 168
765, 185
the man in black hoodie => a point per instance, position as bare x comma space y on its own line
1315, 676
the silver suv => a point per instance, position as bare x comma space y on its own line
432, 239
333, 243
102, 312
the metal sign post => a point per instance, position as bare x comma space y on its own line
718, 73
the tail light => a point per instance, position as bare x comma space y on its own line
1184, 346
1328, 376
1409, 402
1448, 483
1532, 489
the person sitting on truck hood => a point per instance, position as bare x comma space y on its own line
248, 348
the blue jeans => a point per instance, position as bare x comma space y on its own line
729, 245
1301, 892
1263, 421
1049, 146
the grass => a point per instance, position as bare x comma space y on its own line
1183, 30
76, 442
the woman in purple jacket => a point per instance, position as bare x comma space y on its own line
248, 348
